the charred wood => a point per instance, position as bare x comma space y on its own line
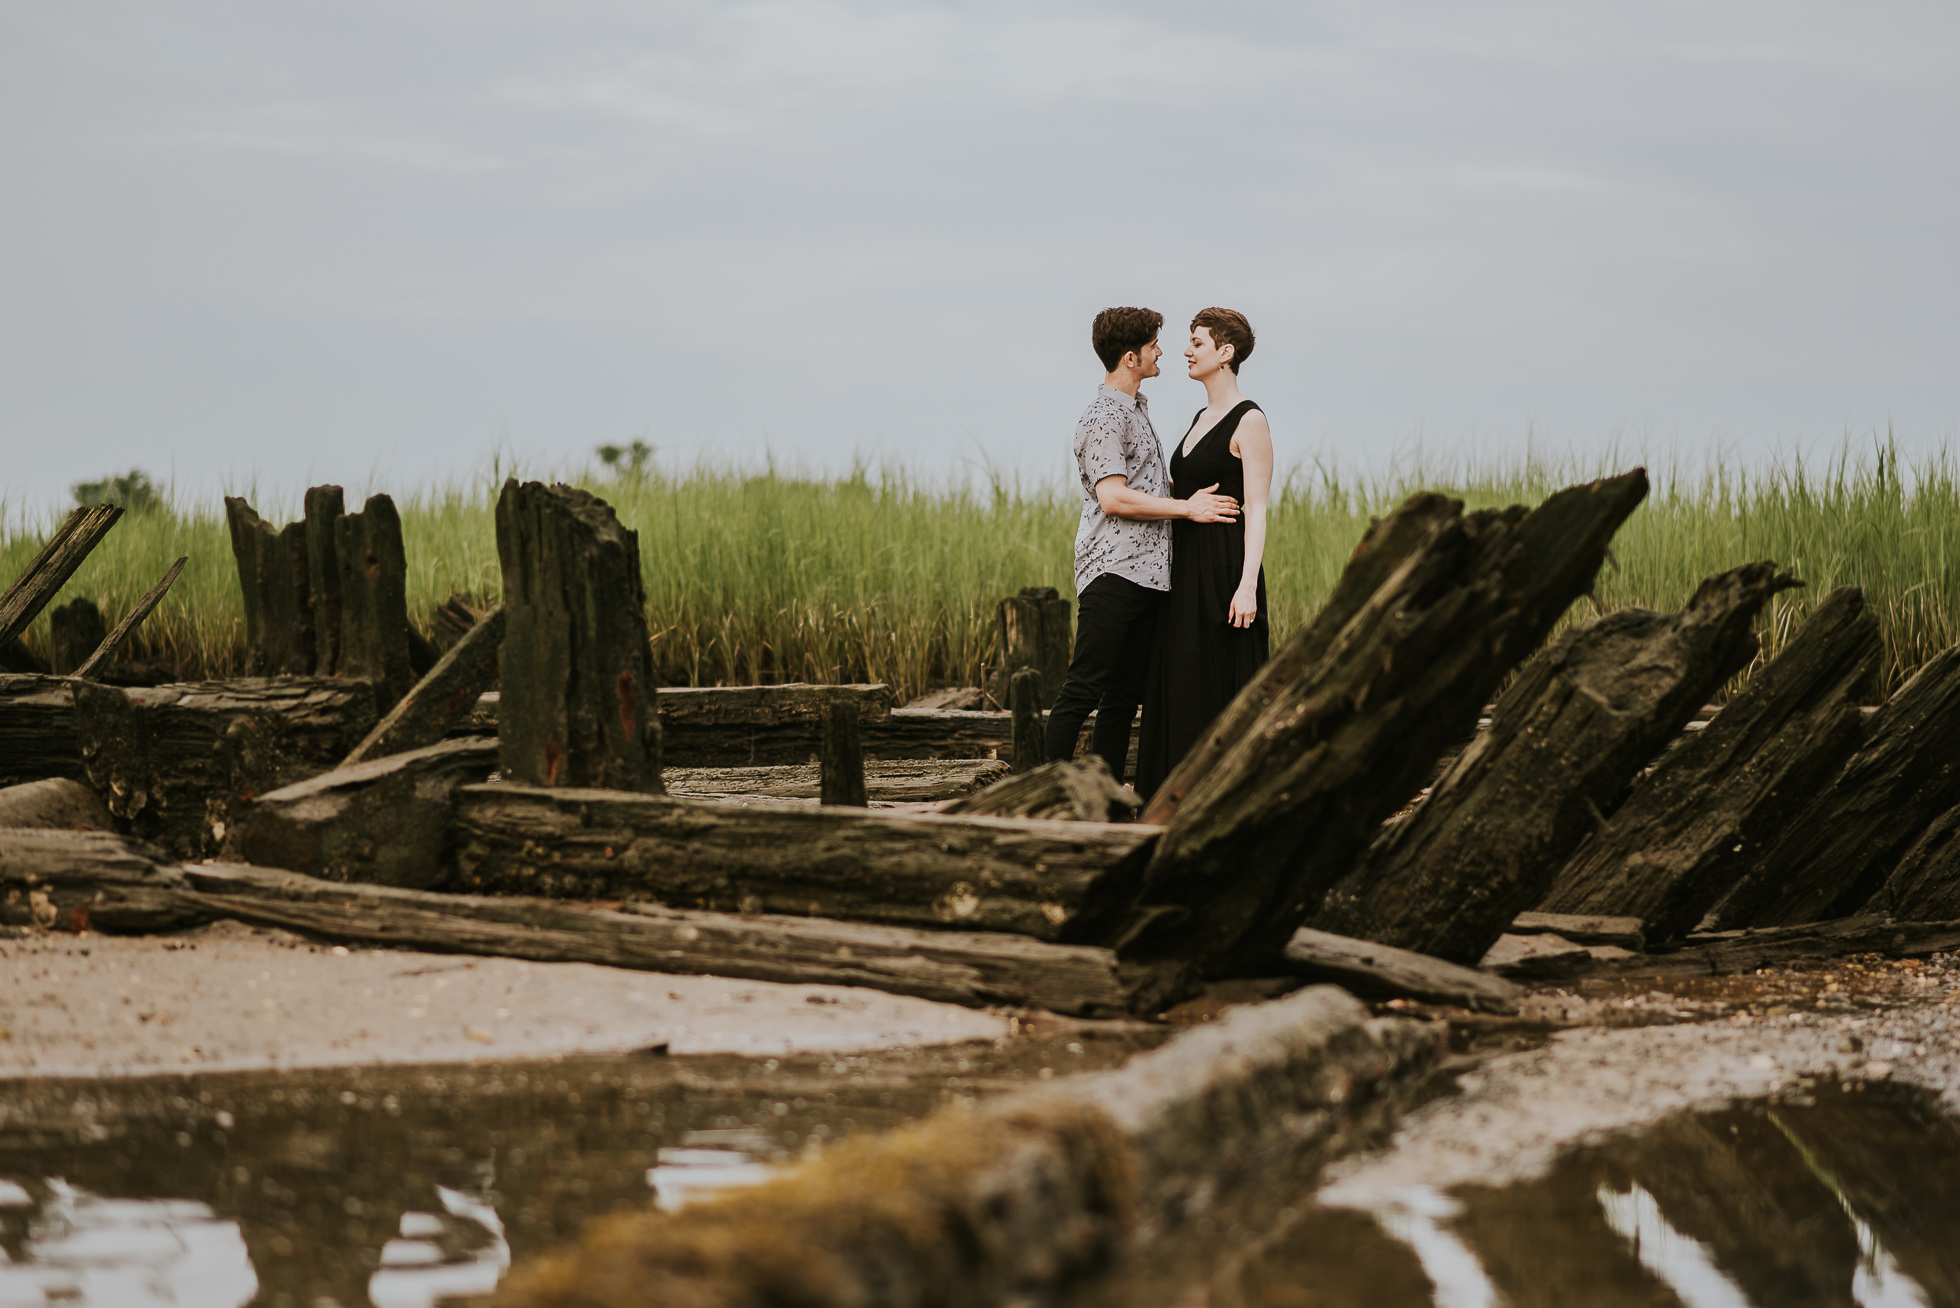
841, 767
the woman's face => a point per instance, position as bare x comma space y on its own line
1201, 356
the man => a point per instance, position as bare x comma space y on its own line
1123, 545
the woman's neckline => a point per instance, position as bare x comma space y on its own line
1187, 447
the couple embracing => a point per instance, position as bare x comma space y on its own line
1170, 592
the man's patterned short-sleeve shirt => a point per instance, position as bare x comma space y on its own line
1115, 437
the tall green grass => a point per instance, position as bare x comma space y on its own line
768, 576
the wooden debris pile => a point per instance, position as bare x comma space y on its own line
1591, 823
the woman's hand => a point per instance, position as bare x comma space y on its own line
1245, 606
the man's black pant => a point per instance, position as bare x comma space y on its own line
1115, 630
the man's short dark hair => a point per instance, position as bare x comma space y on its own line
1228, 327
1118, 331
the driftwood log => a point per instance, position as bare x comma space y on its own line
1044, 879
906, 781
372, 597
1080, 790
841, 766
1712, 807
577, 707
49, 570
384, 821
1565, 740
1384, 972
442, 698
274, 578
1840, 848
173, 761
1284, 793
112, 644
37, 729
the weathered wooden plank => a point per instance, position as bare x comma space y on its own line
88, 881
373, 568
112, 644
1079, 790
442, 698
1384, 972
273, 578
49, 570
384, 821
1735, 953
905, 869
172, 761
841, 765
577, 707
1583, 928
1564, 741
1840, 847
977, 969
1295, 778
904, 781
1712, 807
37, 729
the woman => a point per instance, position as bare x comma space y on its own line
1212, 635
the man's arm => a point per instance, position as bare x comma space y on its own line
1118, 500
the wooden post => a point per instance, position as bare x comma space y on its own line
1569, 734
577, 701
1024, 698
324, 507
1031, 630
50, 569
74, 630
1712, 807
841, 771
113, 642
373, 597
273, 577
1291, 784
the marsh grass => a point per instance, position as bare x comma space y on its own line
758, 576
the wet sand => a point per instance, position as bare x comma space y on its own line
230, 997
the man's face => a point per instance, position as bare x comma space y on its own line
1147, 359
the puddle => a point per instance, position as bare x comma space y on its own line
397, 1187
1848, 1198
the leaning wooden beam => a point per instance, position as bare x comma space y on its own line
906, 869
1375, 971
1713, 806
1285, 792
173, 762
1565, 740
977, 969
1843, 845
385, 821
50, 569
578, 686
131, 620
1925, 887
442, 698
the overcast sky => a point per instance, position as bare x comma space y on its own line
378, 242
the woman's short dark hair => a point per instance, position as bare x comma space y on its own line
1118, 331
1228, 327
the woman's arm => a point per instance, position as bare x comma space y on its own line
1253, 443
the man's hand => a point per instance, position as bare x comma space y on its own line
1245, 606
1207, 507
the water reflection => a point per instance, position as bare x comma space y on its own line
398, 1187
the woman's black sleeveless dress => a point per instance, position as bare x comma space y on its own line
1202, 661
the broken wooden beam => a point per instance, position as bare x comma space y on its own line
384, 821
841, 764
1712, 807
112, 644
1564, 741
50, 568
1374, 971
577, 707
905, 869
1842, 845
1078, 790
372, 596
274, 579
173, 761
440, 699
1286, 790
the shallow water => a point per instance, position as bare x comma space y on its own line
396, 1187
